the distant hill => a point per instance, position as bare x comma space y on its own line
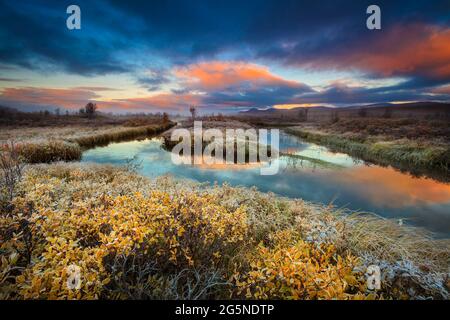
405, 110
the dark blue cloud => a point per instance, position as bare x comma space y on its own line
34, 31
256, 97
128, 36
154, 79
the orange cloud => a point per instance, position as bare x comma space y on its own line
169, 101
217, 75
298, 105
75, 98
413, 49
67, 98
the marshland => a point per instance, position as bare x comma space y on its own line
140, 227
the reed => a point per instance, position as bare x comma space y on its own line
120, 135
71, 148
49, 151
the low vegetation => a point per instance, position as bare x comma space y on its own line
417, 146
120, 135
45, 145
133, 237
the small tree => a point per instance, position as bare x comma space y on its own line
90, 109
165, 118
193, 112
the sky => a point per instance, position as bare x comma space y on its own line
221, 56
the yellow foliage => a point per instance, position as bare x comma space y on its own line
291, 268
130, 237
175, 232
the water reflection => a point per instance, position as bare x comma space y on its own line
310, 172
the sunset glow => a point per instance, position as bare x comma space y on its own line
220, 62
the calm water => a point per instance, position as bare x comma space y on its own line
336, 178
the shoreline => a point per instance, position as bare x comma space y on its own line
418, 161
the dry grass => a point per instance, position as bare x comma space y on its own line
418, 156
44, 145
376, 129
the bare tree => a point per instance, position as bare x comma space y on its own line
165, 118
90, 108
193, 112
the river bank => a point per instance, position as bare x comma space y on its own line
419, 155
67, 143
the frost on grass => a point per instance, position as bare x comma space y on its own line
136, 238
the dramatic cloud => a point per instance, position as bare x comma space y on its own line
222, 55
237, 84
45, 97
342, 94
75, 98
160, 102
442, 90
412, 50
154, 79
222, 75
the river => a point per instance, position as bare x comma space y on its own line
326, 178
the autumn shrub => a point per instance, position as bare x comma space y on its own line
290, 268
139, 238
174, 234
